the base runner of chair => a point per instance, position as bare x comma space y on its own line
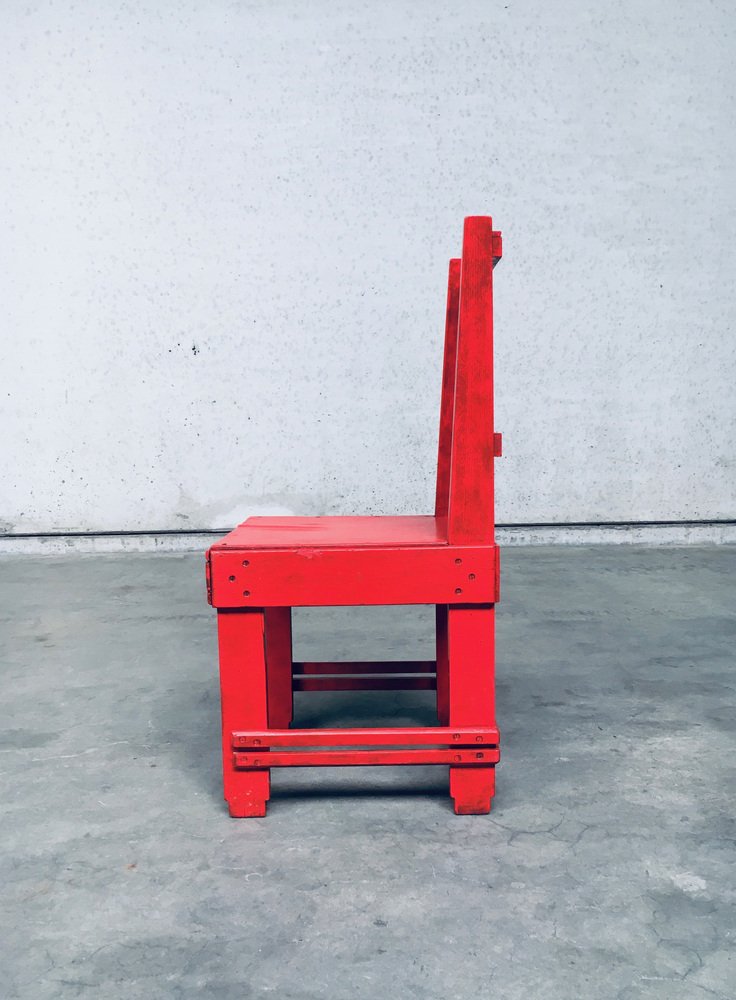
267, 566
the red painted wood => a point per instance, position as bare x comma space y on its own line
278, 664
472, 789
244, 704
447, 403
369, 667
364, 683
470, 635
497, 247
266, 566
341, 532
441, 574
470, 513
390, 736
472, 759
443, 665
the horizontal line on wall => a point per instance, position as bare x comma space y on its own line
143, 533
713, 532
614, 524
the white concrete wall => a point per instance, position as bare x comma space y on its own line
225, 230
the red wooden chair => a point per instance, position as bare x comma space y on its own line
268, 565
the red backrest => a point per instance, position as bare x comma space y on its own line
466, 444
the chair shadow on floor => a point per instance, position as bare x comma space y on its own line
361, 709
190, 718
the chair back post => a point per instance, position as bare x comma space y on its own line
470, 508
447, 405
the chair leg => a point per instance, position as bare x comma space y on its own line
443, 680
279, 667
470, 638
241, 639
472, 789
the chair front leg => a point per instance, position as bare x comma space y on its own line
243, 690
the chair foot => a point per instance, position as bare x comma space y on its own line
249, 796
471, 789
242, 808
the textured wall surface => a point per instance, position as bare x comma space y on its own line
225, 235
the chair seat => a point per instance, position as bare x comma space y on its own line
337, 532
296, 561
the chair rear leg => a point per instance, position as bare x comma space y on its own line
443, 678
243, 689
470, 637
279, 667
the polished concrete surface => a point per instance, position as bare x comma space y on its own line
606, 869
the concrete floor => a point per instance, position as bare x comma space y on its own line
606, 870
